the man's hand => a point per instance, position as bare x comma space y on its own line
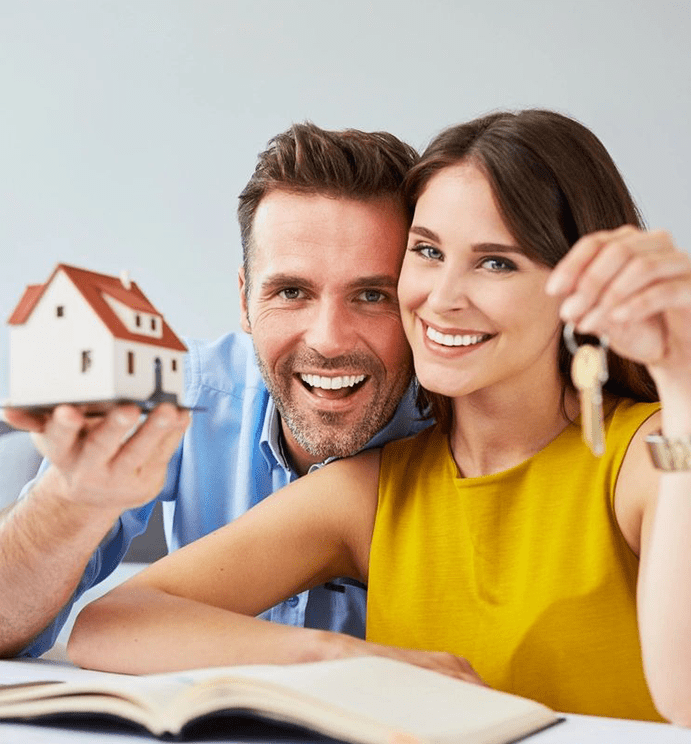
106, 461
99, 468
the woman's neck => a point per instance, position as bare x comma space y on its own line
494, 430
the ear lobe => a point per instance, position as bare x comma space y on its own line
244, 316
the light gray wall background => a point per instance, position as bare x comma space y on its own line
128, 127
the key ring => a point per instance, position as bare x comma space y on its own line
570, 339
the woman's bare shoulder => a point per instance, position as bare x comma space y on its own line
637, 485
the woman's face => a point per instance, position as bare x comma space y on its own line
473, 305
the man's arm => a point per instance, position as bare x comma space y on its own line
98, 471
196, 606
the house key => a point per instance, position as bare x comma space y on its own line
589, 374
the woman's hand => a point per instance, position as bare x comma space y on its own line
343, 646
633, 287
437, 661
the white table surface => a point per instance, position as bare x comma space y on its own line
574, 730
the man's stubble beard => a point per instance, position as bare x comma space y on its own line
330, 437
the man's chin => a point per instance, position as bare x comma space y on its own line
326, 438
326, 446
336, 428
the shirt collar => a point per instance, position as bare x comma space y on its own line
271, 440
272, 444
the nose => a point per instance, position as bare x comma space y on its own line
449, 292
331, 330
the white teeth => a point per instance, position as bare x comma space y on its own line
332, 383
448, 339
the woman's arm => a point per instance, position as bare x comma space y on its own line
664, 583
195, 607
635, 287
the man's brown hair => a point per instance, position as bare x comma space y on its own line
306, 159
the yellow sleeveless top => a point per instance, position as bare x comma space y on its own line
524, 573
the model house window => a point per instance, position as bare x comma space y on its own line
130, 362
60, 311
137, 320
153, 324
174, 365
86, 360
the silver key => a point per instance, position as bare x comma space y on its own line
589, 373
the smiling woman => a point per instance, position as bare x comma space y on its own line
496, 547
548, 181
464, 278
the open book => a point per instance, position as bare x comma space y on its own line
367, 700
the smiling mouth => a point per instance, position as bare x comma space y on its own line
456, 340
344, 384
332, 388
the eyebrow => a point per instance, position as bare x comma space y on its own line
294, 280
425, 232
376, 280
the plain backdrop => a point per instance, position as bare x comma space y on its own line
128, 127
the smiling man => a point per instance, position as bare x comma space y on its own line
323, 372
326, 330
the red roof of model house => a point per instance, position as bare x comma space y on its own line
93, 286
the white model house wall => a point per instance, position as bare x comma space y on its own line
134, 369
63, 352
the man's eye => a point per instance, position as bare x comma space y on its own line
372, 295
290, 293
428, 251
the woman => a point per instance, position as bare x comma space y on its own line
495, 539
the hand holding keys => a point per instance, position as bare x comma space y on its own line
589, 374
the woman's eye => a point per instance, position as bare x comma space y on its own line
494, 263
428, 251
290, 293
372, 295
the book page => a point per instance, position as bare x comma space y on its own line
397, 695
366, 699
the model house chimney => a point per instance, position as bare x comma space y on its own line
125, 279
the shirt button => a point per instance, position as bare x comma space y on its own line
292, 602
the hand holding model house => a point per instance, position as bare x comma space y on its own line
88, 354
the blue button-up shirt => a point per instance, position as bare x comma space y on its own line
230, 459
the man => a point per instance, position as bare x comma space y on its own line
323, 228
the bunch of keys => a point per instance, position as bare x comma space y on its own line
589, 374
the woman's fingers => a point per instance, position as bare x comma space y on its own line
611, 271
661, 297
567, 273
639, 281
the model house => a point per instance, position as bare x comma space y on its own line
84, 337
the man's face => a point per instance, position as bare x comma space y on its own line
323, 314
